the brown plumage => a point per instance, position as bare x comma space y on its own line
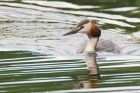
94, 30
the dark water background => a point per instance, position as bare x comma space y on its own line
35, 57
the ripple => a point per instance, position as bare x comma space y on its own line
122, 9
104, 15
36, 81
131, 88
59, 4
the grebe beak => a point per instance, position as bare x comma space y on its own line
75, 30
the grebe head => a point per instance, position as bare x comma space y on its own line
91, 28
87, 26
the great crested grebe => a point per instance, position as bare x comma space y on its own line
91, 29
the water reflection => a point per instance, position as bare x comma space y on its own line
38, 73
86, 81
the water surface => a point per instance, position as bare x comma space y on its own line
35, 57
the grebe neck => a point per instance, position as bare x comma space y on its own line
92, 43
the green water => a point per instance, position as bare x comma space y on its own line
23, 71
28, 72
35, 57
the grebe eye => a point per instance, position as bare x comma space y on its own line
82, 26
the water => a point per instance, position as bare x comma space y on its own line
35, 57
